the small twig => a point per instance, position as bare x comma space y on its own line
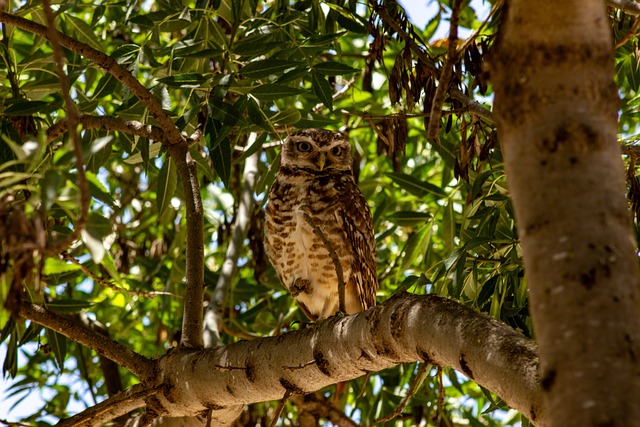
73, 120
334, 257
433, 129
279, 408
109, 284
631, 33
497, 5
417, 382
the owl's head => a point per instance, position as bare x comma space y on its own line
317, 149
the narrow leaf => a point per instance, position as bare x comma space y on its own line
322, 89
270, 92
58, 344
189, 80
166, 185
267, 67
333, 69
415, 186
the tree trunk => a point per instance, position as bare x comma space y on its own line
555, 105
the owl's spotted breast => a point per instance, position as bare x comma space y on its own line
314, 188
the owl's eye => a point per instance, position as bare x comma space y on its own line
336, 151
304, 146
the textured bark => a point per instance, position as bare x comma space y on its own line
555, 106
406, 328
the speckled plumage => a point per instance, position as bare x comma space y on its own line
315, 178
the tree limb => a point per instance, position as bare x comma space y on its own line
109, 123
214, 316
111, 408
139, 365
406, 328
194, 277
627, 6
110, 65
72, 118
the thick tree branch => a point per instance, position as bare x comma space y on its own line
214, 316
406, 328
139, 365
108, 123
110, 65
194, 287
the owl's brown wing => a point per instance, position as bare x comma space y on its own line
358, 228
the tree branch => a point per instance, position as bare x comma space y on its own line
475, 107
139, 365
194, 277
111, 408
406, 328
214, 317
627, 6
446, 72
108, 123
72, 118
110, 65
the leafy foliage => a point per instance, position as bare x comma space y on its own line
441, 209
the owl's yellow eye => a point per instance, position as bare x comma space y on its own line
304, 147
336, 151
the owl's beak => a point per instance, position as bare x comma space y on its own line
322, 159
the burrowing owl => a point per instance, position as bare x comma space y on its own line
314, 204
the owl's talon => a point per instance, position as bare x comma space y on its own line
299, 286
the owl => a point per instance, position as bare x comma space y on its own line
315, 208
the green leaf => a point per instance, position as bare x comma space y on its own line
267, 67
69, 305
56, 266
23, 107
270, 92
166, 185
322, 89
190, 80
98, 191
83, 31
10, 364
50, 185
220, 151
415, 186
58, 344
408, 218
287, 116
333, 69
